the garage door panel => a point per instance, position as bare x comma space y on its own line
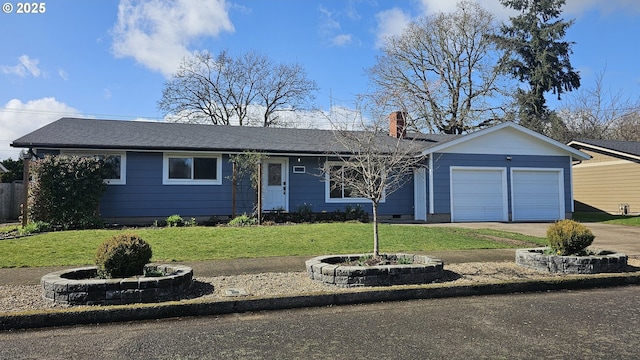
478, 195
537, 195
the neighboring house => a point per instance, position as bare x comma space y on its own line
608, 182
502, 173
3, 169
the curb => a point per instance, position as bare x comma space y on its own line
190, 308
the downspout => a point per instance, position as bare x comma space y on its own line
431, 203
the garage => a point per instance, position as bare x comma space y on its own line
478, 194
537, 194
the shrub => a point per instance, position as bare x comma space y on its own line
123, 255
34, 228
243, 220
568, 237
174, 220
66, 190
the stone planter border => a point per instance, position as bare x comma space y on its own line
80, 287
328, 270
606, 262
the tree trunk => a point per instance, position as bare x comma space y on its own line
376, 243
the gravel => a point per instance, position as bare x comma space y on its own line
20, 298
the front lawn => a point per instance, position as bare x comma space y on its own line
607, 218
66, 248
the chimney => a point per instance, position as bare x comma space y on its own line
397, 124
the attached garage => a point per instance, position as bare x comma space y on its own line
537, 194
478, 194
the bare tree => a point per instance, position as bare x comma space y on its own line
598, 113
374, 164
442, 67
223, 90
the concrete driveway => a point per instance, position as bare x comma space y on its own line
625, 239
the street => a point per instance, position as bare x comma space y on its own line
599, 323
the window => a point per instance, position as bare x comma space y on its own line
181, 169
335, 188
116, 159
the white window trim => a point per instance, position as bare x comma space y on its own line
165, 169
123, 162
327, 190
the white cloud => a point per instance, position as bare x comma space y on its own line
18, 119
572, 8
63, 74
24, 67
342, 40
391, 23
577, 7
157, 33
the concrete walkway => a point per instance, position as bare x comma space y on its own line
625, 239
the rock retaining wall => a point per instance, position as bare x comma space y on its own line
327, 269
535, 258
80, 287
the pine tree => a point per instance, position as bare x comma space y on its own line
536, 54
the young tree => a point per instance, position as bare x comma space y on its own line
442, 67
598, 113
373, 164
246, 90
535, 54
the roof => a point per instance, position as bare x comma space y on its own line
624, 148
3, 169
77, 133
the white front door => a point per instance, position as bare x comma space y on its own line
275, 182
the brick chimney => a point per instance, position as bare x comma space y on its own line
397, 124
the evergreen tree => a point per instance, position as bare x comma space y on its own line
535, 54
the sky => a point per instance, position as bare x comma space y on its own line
110, 58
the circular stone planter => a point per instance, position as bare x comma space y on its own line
80, 286
604, 262
327, 269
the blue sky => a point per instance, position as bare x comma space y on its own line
110, 59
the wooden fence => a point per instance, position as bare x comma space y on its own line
10, 199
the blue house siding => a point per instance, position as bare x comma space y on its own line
144, 195
308, 190
444, 162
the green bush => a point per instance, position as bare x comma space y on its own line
34, 228
66, 190
174, 220
243, 220
123, 255
568, 237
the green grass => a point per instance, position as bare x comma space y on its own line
607, 218
207, 243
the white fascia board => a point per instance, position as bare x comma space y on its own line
604, 149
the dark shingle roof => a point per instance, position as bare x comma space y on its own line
139, 135
628, 147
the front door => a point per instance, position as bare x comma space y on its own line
275, 191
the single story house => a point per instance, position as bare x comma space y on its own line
502, 173
608, 182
